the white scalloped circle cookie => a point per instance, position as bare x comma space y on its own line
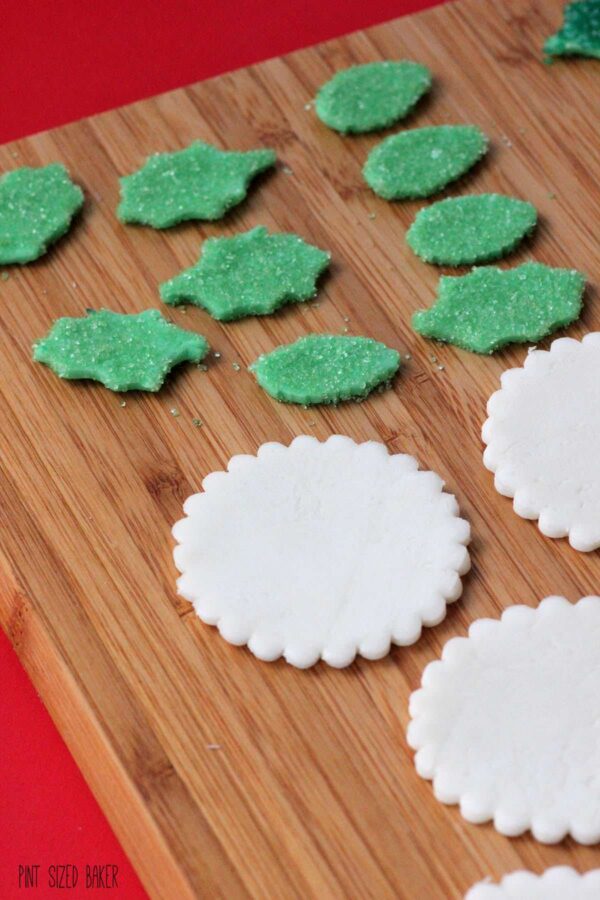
557, 883
543, 439
321, 550
507, 722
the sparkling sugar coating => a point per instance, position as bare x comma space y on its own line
506, 723
36, 208
371, 96
200, 182
543, 439
419, 162
580, 34
557, 883
250, 274
123, 352
491, 307
321, 551
325, 368
476, 228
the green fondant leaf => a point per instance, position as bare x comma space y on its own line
325, 368
250, 274
123, 352
200, 182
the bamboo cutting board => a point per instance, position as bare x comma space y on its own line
312, 790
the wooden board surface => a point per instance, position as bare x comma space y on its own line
312, 792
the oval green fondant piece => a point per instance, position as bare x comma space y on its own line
491, 307
419, 162
476, 228
580, 34
36, 208
199, 182
325, 368
371, 96
123, 352
249, 274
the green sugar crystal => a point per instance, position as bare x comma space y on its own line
325, 368
36, 208
492, 307
580, 34
371, 96
123, 352
250, 274
420, 162
200, 182
476, 228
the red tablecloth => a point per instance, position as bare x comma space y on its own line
61, 61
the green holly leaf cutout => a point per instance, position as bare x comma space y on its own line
325, 368
421, 161
460, 231
580, 34
250, 274
491, 307
200, 182
36, 208
125, 352
371, 96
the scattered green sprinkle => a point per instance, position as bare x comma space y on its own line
322, 368
174, 412
253, 273
421, 161
123, 403
236, 367
197, 423
36, 208
580, 34
475, 228
491, 307
5, 276
371, 96
123, 352
200, 182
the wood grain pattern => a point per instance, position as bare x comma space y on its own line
312, 792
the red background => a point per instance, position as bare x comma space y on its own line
61, 61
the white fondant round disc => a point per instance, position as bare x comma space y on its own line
321, 550
557, 883
543, 439
507, 723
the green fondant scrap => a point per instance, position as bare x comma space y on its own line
580, 34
